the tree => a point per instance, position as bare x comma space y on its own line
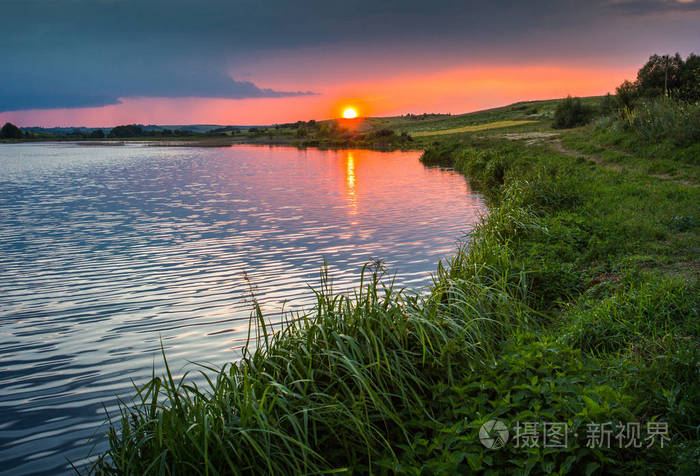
660, 76
10, 131
627, 93
690, 79
97, 134
663, 76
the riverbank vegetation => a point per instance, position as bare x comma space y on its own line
574, 302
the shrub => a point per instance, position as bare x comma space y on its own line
487, 168
126, 131
690, 79
627, 94
571, 113
607, 105
440, 154
661, 119
603, 123
382, 134
10, 131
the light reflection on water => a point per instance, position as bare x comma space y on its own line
104, 251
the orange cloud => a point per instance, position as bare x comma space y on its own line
455, 90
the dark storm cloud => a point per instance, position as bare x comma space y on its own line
76, 53
643, 7
108, 91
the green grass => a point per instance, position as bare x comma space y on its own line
625, 151
473, 128
575, 301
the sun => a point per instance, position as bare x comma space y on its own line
349, 113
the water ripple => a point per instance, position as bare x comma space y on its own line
106, 251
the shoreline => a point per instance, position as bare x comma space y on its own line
563, 294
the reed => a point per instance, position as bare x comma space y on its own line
332, 389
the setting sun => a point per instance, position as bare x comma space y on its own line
349, 113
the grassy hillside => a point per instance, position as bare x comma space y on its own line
576, 302
384, 133
409, 131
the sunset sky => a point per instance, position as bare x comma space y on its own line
108, 62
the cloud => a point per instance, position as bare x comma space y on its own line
645, 7
78, 53
48, 94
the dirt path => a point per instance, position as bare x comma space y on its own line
554, 140
559, 147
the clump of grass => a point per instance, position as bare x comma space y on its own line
335, 389
643, 312
441, 155
487, 168
663, 119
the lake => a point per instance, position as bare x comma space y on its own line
106, 251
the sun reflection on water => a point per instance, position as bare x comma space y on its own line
350, 178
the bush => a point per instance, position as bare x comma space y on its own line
126, 131
382, 134
10, 131
607, 105
571, 113
603, 123
663, 119
487, 168
690, 79
439, 154
627, 94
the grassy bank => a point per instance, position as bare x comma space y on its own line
575, 302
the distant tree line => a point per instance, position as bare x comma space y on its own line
82, 134
134, 130
11, 131
424, 116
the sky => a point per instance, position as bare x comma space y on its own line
107, 62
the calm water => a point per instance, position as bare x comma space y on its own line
104, 251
